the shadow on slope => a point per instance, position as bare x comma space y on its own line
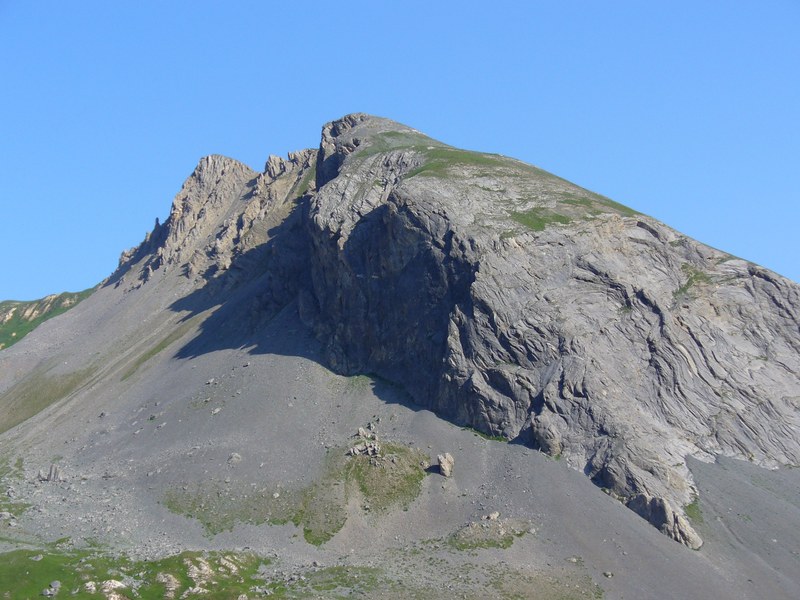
245, 297
254, 305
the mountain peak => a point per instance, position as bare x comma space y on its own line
497, 295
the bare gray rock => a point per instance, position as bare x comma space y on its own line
446, 464
53, 474
512, 301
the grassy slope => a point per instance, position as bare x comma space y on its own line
441, 161
16, 326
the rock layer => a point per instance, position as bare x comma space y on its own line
503, 298
514, 302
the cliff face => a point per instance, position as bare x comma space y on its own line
503, 298
514, 302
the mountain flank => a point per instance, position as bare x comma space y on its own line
381, 279
18, 319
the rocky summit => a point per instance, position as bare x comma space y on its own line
330, 318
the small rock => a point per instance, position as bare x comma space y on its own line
493, 516
215, 411
234, 458
608, 574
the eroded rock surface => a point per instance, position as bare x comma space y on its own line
502, 298
512, 301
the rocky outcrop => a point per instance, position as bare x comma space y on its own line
521, 305
224, 212
506, 299
446, 464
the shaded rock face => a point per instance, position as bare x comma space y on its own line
506, 299
521, 305
223, 212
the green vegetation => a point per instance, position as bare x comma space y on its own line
94, 574
439, 161
620, 208
397, 140
391, 479
562, 585
36, 392
694, 277
166, 341
578, 201
357, 384
693, 512
18, 319
537, 219
488, 534
83, 573
340, 582
321, 510
8, 474
305, 182
486, 436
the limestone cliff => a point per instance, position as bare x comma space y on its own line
507, 299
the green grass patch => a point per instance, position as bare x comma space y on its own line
692, 511
18, 319
358, 384
350, 581
486, 436
388, 481
694, 277
319, 510
10, 474
36, 392
626, 211
305, 182
81, 573
393, 479
440, 160
389, 141
499, 533
537, 219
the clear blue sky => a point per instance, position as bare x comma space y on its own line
687, 111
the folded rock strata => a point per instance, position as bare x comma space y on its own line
506, 299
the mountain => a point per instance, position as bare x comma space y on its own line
208, 391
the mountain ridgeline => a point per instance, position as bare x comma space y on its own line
18, 319
497, 295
